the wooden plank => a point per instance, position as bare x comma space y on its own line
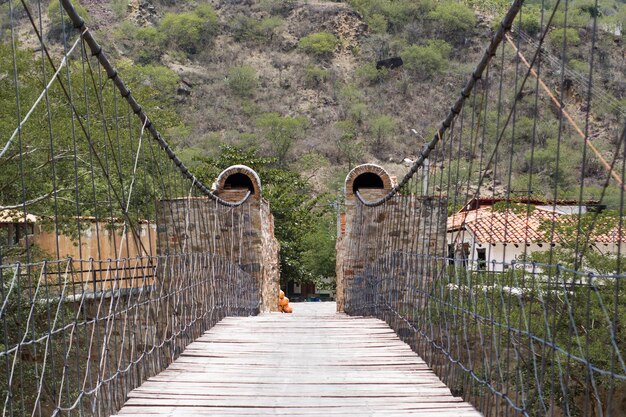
314, 362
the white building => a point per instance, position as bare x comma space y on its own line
484, 235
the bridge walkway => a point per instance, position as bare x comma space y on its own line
314, 362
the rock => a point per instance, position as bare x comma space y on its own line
288, 43
183, 90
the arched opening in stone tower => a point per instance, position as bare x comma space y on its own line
368, 180
239, 181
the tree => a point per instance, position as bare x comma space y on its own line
396, 13
242, 80
279, 7
113, 135
318, 258
282, 132
302, 219
531, 20
349, 146
377, 23
269, 26
320, 44
381, 128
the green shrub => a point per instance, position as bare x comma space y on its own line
314, 76
154, 86
279, 7
242, 80
59, 20
524, 127
120, 8
427, 60
531, 20
151, 40
579, 66
452, 19
544, 165
576, 17
357, 112
569, 35
381, 128
397, 13
377, 23
320, 44
189, 31
246, 28
369, 74
349, 94
205, 11
282, 132
349, 147
269, 26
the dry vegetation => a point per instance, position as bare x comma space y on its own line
315, 60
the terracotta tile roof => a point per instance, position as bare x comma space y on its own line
16, 216
517, 226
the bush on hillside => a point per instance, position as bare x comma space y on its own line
425, 61
279, 7
188, 31
349, 147
377, 23
282, 132
569, 35
314, 76
242, 80
453, 20
320, 44
531, 20
150, 39
381, 129
59, 20
371, 75
396, 14
246, 28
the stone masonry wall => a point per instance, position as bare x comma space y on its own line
367, 234
243, 235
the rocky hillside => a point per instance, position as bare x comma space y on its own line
296, 79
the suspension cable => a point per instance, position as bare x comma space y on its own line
496, 40
98, 52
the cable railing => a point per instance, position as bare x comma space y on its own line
113, 256
500, 262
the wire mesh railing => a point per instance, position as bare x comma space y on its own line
113, 256
499, 256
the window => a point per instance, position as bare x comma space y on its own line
451, 254
17, 231
481, 257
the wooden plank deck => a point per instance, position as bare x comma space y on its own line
314, 362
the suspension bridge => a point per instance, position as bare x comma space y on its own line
128, 286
